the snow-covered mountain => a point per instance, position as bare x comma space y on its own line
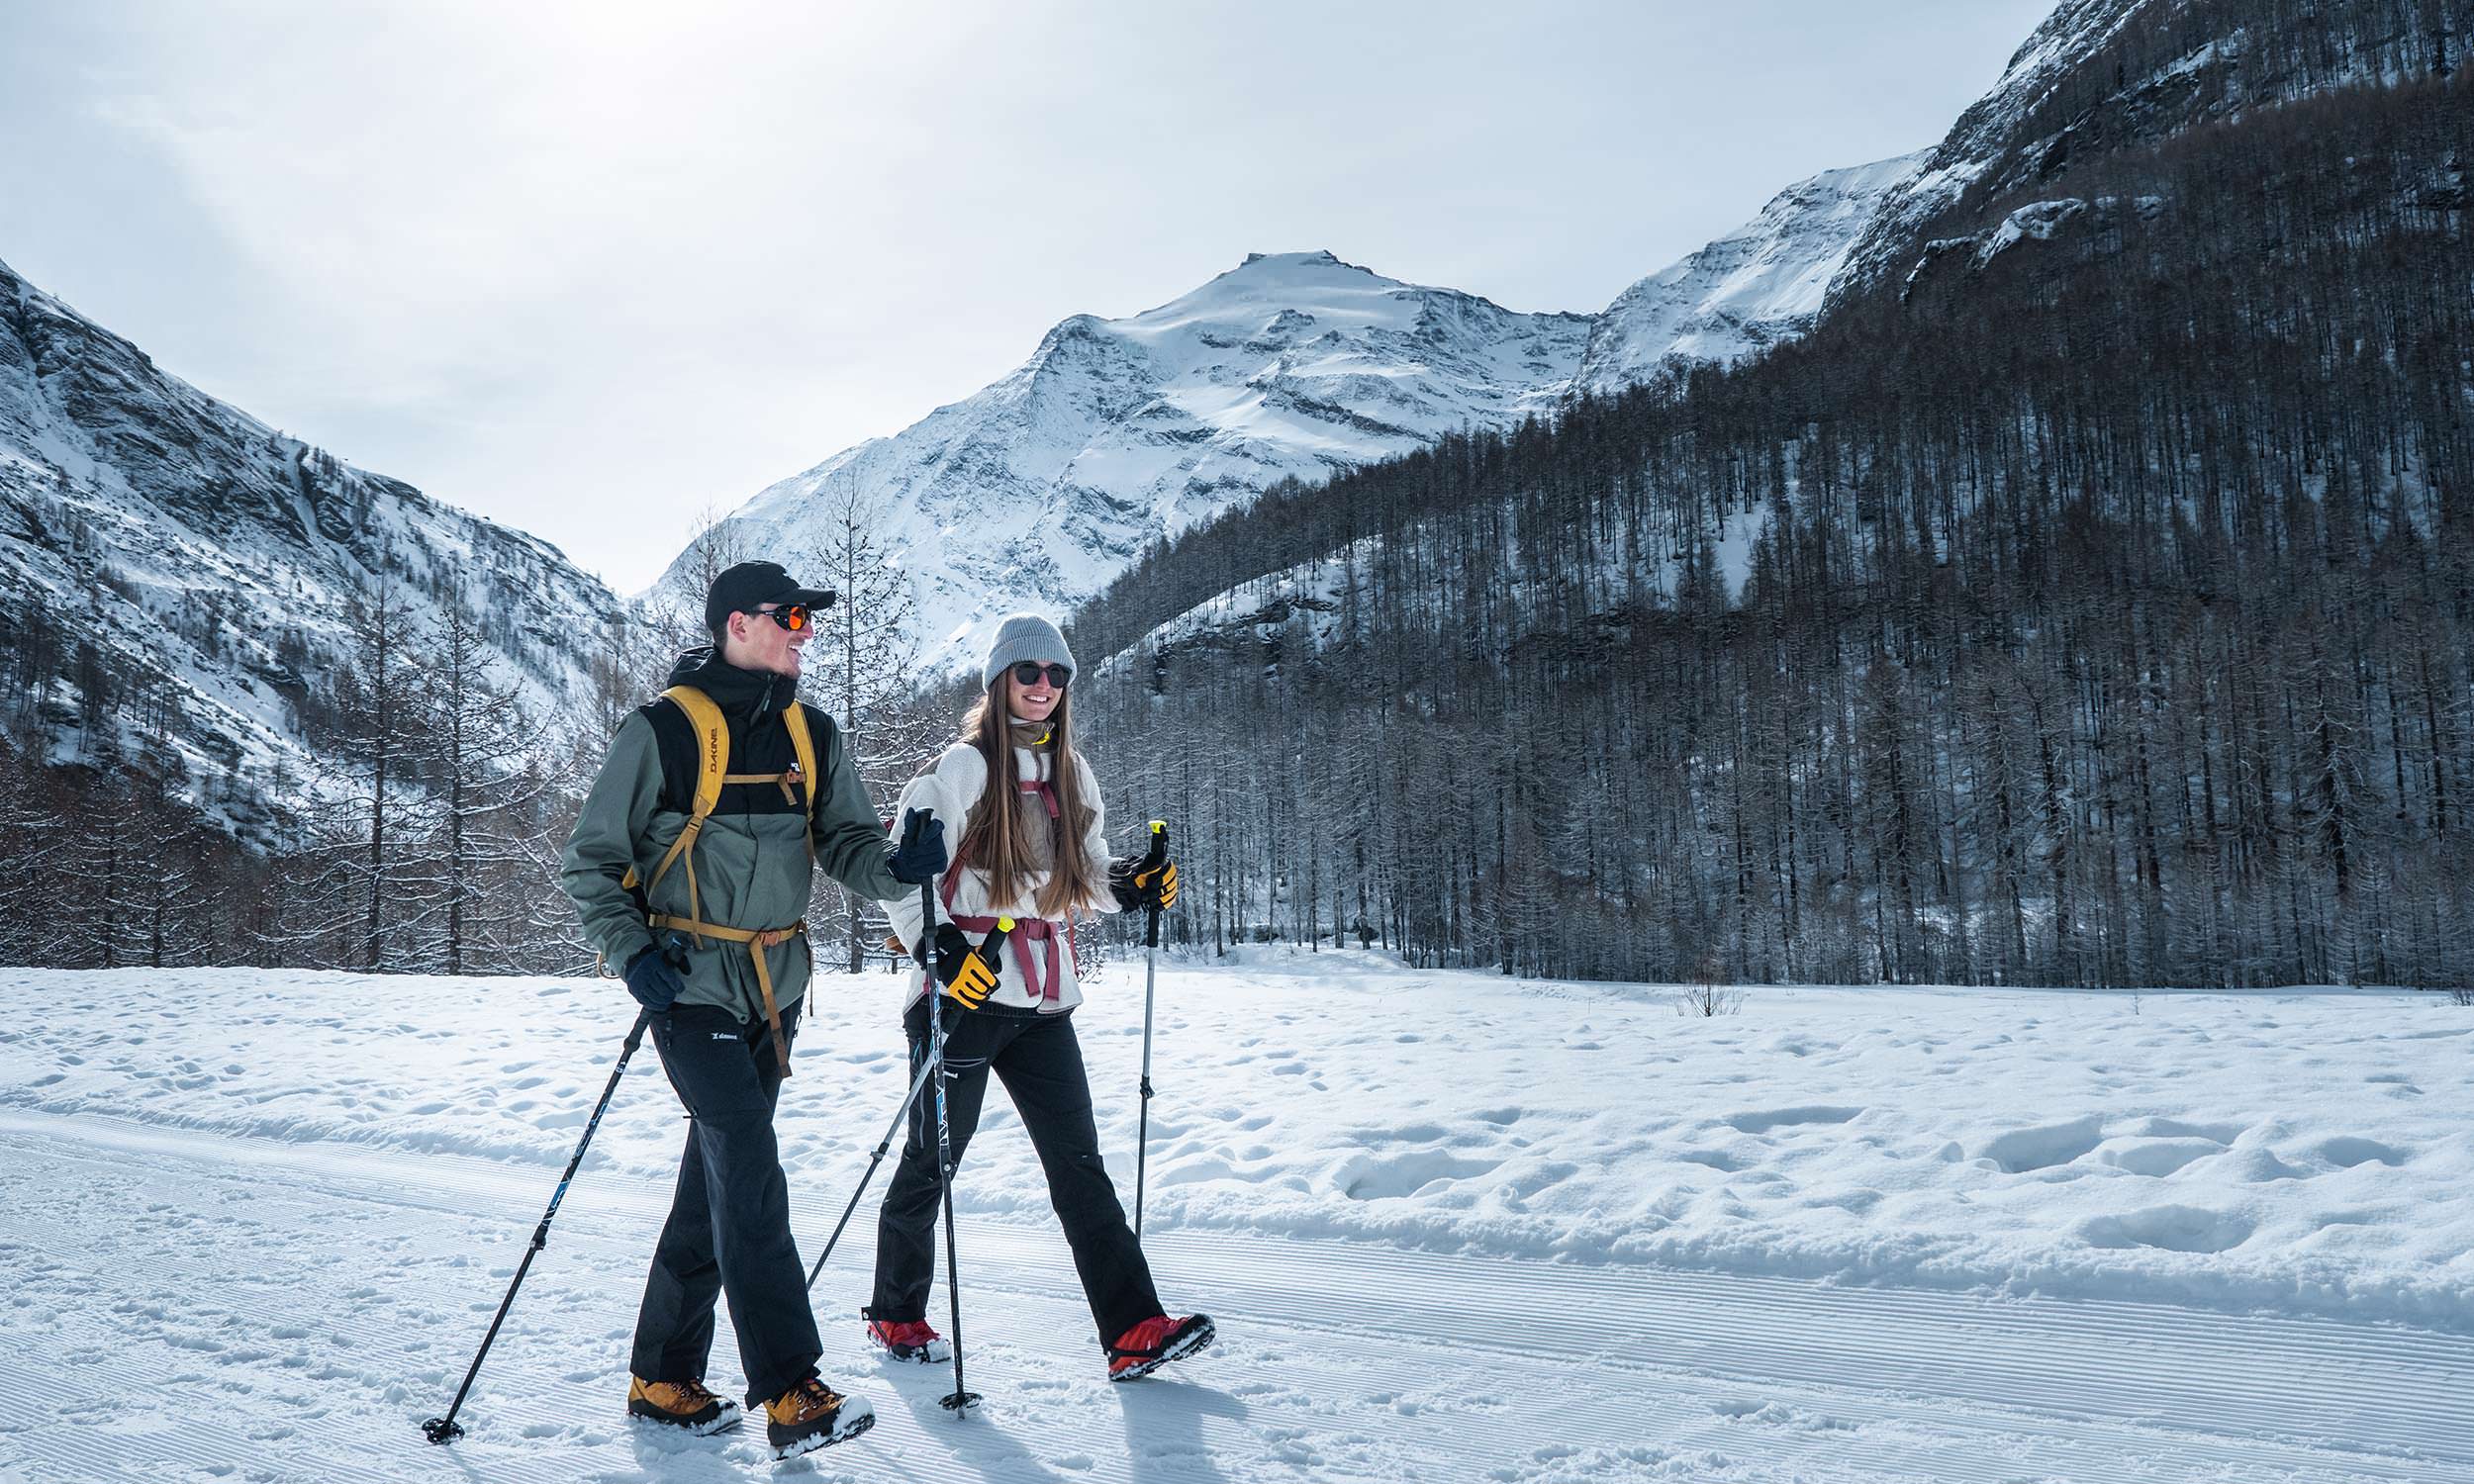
1755, 285
2103, 75
2096, 79
1037, 491
194, 569
1038, 488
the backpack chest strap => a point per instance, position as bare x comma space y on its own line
786, 777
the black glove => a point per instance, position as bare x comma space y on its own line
654, 974
1148, 883
921, 852
969, 975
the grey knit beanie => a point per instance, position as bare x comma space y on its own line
1024, 636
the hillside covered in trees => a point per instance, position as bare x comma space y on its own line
2089, 601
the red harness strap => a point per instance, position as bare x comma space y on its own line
1039, 930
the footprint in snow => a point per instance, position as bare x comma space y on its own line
1718, 1160
2173, 1229
2021, 1150
2174, 1128
2346, 1151
1368, 1177
2157, 1158
1779, 1117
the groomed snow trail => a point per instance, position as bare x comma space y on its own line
188, 1305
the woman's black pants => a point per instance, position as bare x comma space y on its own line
1040, 1062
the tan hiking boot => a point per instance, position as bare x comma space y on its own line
811, 1415
680, 1404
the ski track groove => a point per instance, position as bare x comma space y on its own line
1815, 1375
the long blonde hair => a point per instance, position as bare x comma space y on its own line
998, 837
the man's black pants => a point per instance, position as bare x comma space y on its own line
1040, 1062
729, 1226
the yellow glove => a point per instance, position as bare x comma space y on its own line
1150, 881
970, 975
1158, 885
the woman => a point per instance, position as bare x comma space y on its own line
1027, 811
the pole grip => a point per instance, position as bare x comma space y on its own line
1158, 851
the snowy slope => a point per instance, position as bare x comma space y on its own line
1037, 490
1303, 609
212, 558
1755, 285
1453, 1227
2103, 75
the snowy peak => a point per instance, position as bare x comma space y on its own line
1285, 275
1037, 490
1758, 285
1318, 257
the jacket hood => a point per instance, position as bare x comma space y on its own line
739, 692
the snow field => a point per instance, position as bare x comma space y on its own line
2304, 1152
1453, 1227
191, 1307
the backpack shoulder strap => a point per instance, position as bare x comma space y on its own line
712, 744
794, 717
803, 743
713, 758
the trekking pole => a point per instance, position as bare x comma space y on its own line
901, 1115
1151, 970
927, 1068
445, 1429
962, 1401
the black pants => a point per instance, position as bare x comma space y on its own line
729, 1226
1040, 1062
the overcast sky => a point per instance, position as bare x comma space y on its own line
587, 268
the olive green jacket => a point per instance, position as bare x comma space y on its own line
752, 868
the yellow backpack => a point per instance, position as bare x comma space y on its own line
712, 751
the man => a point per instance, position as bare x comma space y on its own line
699, 894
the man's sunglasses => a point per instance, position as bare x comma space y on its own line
792, 617
1028, 672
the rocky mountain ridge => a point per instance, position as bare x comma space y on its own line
178, 579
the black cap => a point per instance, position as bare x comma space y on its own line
749, 585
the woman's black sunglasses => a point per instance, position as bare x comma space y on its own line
1028, 672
